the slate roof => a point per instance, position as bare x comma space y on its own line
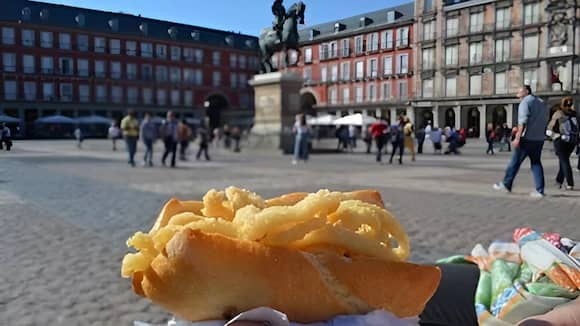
41, 13
352, 24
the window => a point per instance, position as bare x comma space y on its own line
64, 41
100, 44
66, 66
198, 56
161, 73
48, 91
115, 46
373, 68
476, 22
83, 67
333, 95
345, 48
233, 80
47, 65
132, 95
451, 86
403, 37
531, 13
216, 58
188, 76
175, 97
28, 65
29, 91
243, 61
101, 93
323, 74
308, 55
131, 48
429, 59
475, 85
333, 49
403, 89
147, 96
345, 71
146, 72
243, 81
161, 97
188, 98
359, 69
131, 71
198, 77
427, 5
161, 51
500, 83
390, 16
475, 53
346, 95
387, 40
117, 94
146, 50
307, 75
452, 27
451, 55
374, 41
530, 46
8, 36
100, 69
233, 60
503, 18
531, 78
66, 92
175, 74
175, 53
46, 40
387, 94
84, 93
403, 64
502, 50
387, 65
217, 78
372, 93
427, 88
83, 43
358, 45
358, 93
10, 90
334, 73
116, 70
9, 62
323, 51
27, 37
188, 55
429, 30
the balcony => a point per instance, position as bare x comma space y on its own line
47, 71
344, 52
83, 72
8, 40
131, 75
66, 98
101, 99
100, 74
84, 98
116, 75
9, 68
10, 96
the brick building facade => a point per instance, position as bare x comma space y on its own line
75, 62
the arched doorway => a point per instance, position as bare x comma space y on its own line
473, 117
450, 118
498, 116
307, 103
214, 105
426, 117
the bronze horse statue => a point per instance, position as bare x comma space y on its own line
270, 41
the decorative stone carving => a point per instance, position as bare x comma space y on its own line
559, 29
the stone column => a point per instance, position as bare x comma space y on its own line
435, 111
411, 114
393, 119
509, 119
482, 120
457, 111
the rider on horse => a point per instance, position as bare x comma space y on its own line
280, 12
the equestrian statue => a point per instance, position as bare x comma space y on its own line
283, 36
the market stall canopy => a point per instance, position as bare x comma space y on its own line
56, 119
94, 119
9, 119
356, 119
323, 120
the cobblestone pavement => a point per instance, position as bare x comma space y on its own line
66, 213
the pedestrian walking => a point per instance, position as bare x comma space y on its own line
149, 134
420, 136
302, 134
352, 134
367, 138
227, 137
436, 137
528, 142
563, 130
5, 137
79, 137
398, 140
454, 140
409, 131
216, 137
237, 137
184, 134
378, 129
506, 135
114, 133
130, 127
489, 138
203, 137
169, 134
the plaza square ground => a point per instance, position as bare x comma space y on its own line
65, 214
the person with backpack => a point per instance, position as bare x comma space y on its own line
563, 129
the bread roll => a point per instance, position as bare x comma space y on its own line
208, 276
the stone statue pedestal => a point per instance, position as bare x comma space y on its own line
277, 101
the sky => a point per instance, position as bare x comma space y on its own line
245, 16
